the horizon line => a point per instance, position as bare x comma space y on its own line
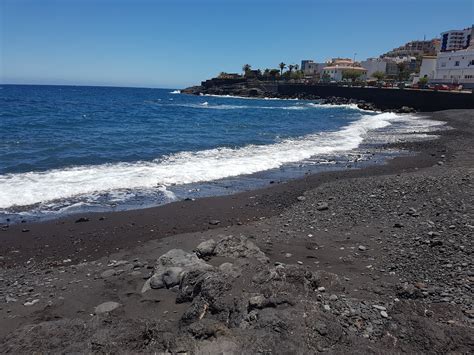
100, 86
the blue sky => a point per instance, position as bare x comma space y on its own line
175, 43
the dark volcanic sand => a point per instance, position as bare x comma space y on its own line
396, 236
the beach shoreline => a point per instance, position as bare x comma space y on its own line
28, 238
396, 236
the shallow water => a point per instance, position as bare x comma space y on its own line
67, 149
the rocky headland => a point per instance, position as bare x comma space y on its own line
259, 89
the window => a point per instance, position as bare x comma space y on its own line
468, 76
456, 64
471, 62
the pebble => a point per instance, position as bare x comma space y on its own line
322, 206
362, 248
384, 314
31, 303
107, 273
321, 289
106, 307
9, 299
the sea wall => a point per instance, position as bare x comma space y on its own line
421, 100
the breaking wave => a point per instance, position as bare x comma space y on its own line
24, 189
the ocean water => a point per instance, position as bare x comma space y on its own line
66, 149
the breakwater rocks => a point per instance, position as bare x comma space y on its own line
261, 90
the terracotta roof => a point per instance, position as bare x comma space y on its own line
344, 67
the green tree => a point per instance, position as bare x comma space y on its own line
379, 75
246, 68
297, 74
351, 74
403, 71
274, 74
423, 81
282, 66
325, 77
290, 68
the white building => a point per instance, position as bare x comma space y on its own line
374, 65
456, 39
455, 68
312, 68
428, 68
338, 66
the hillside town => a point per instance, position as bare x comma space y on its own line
445, 63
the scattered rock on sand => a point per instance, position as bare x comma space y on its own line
107, 273
322, 206
206, 248
31, 303
170, 268
239, 247
230, 269
106, 307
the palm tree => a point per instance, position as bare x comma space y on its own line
290, 68
297, 67
274, 73
282, 66
246, 68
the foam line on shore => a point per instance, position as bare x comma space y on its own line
302, 106
30, 188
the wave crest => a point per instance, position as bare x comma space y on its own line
186, 167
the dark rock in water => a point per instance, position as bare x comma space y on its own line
82, 219
214, 222
406, 109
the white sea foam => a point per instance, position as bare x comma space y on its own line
186, 167
175, 92
247, 98
298, 106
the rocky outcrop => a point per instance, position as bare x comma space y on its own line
171, 268
259, 89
